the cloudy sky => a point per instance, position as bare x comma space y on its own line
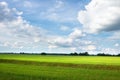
60, 26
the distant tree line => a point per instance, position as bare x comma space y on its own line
81, 54
103, 54
71, 54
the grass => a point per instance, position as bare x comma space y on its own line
65, 59
37, 67
30, 72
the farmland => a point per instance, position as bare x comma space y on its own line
52, 67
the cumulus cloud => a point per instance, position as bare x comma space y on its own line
68, 40
73, 41
76, 34
5, 12
110, 50
19, 33
101, 15
15, 31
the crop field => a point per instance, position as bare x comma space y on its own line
53, 67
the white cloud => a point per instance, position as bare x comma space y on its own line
111, 50
67, 41
91, 47
19, 33
52, 46
64, 28
52, 13
36, 39
17, 12
73, 42
5, 12
4, 4
77, 33
73, 49
59, 11
59, 4
15, 31
101, 15
88, 47
6, 44
28, 4
116, 45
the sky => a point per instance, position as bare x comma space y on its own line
60, 26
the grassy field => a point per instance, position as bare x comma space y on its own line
37, 67
65, 59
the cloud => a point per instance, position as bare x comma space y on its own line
7, 12
110, 50
115, 36
15, 31
89, 48
76, 34
100, 15
59, 11
116, 45
64, 28
68, 40
52, 12
73, 41
28, 4
59, 4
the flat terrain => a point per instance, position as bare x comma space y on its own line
64, 59
37, 67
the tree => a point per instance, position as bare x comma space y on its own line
118, 54
84, 54
100, 54
75, 53
43, 53
103, 54
22, 53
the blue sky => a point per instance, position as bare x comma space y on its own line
61, 26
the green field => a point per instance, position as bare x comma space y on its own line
49, 67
